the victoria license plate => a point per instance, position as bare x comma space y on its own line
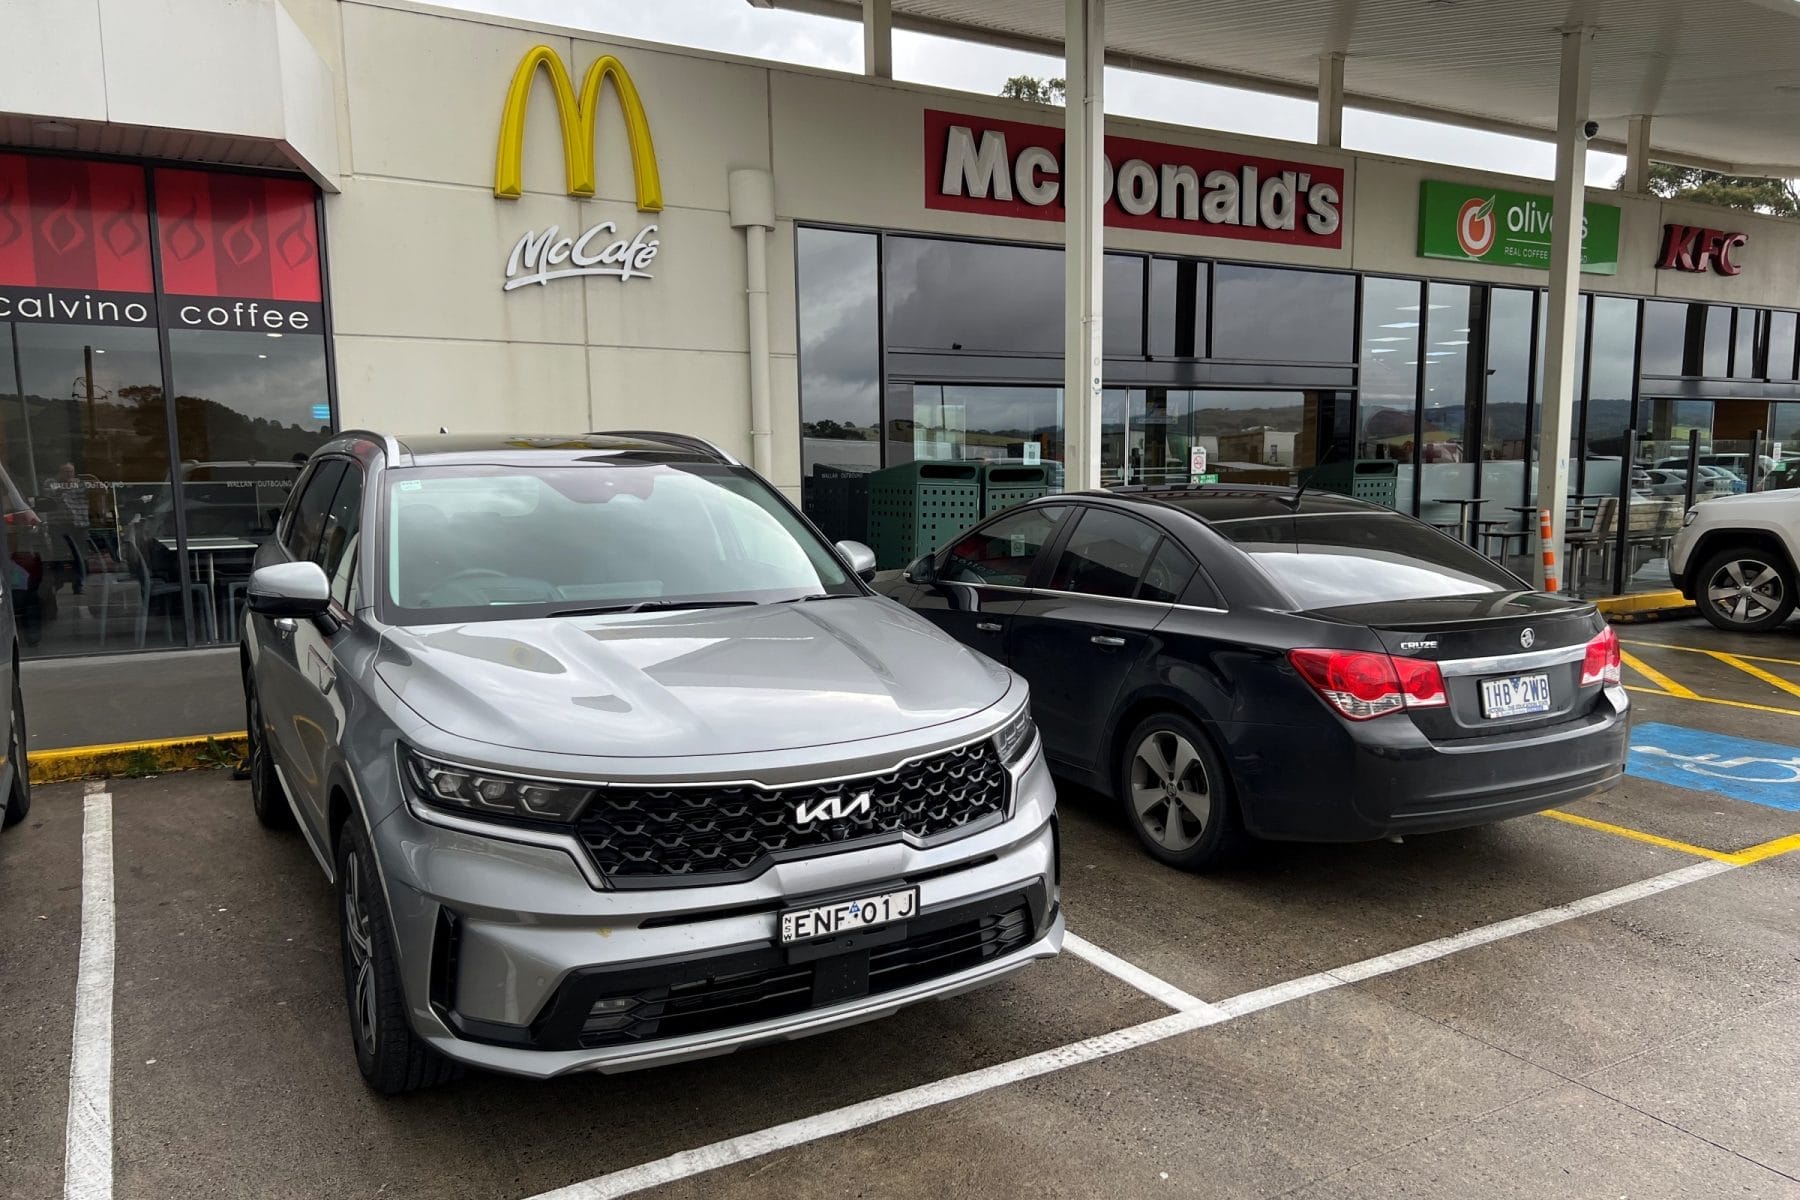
1515, 696
848, 916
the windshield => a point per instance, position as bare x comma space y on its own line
1329, 560
497, 542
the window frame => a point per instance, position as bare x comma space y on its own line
317, 465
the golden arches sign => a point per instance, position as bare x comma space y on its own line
576, 113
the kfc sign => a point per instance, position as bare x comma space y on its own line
1693, 248
1011, 169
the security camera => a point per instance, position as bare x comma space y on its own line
1590, 130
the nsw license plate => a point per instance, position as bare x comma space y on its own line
1515, 696
848, 916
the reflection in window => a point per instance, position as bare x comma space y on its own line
1743, 349
249, 409
1389, 376
840, 377
1446, 470
1611, 371
1106, 555
1001, 553
1686, 339
1716, 341
1282, 315
1510, 330
992, 424
1177, 317
1780, 356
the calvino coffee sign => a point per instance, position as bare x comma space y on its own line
1014, 169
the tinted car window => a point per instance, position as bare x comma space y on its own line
1106, 555
343, 523
1325, 560
1001, 553
307, 522
1167, 576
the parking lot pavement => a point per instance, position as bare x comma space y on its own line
1601, 1003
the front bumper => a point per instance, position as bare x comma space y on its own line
505, 947
1385, 778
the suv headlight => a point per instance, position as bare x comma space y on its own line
474, 792
1015, 737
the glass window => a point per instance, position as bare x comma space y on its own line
1665, 337
1330, 560
1716, 347
1106, 555
1781, 346
1168, 574
1389, 379
487, 542
343, 521
996, 297
1001, 552
1510, 328
1447, 473
1177, 317
990, 424
1743, 349
306, 524
1612, 371
840, 377
1282, 315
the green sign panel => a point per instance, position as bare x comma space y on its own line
1512, 229
1204, 477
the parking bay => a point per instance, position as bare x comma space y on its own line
1645, 1048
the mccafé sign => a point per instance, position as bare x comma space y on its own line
1013, 169
1693, 248
600, 249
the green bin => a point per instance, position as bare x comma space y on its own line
917, 506
1373, 479
838, 499
1006, 484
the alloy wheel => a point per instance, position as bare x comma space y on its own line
1746, 590
360, 946
1170, 792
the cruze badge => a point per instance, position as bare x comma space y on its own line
1527, 638
836, 808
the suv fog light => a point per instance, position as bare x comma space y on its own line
608, 1015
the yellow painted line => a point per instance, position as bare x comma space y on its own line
1756, 854
1774, 681
1657, 677
1638, 835
1768, 708
135, 758
1786, 662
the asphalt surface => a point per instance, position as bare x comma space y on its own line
1646, 1049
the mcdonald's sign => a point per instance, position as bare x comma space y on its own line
577, 113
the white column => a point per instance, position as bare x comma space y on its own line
752, 198
1568, 199
878, 38
1084, 124
1331, 99
1637, 156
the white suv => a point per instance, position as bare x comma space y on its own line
1735, 557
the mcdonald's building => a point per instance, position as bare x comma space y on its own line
228, 229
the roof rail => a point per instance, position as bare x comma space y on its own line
389, 444
679, 439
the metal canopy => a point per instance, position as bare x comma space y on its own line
1721, 78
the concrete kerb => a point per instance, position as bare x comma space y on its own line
1647, 606
156, 757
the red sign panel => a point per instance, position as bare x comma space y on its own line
65, 223
1014, 169
237, 235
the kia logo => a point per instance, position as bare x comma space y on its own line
1527, 639
835, 808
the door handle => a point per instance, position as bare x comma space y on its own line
285, 626
988, 626
1107, 640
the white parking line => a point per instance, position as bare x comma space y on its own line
87, 1143
1137, 977
747, 1146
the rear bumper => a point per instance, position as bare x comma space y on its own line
1384, 778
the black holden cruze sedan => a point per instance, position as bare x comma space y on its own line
1235, 660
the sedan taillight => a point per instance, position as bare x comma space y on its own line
1363, 685
1601, 663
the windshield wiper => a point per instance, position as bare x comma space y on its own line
820, 596
649, 606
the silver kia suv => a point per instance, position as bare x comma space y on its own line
614, 761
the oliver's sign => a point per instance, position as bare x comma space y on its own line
1492, 225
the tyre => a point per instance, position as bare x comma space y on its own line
266, 797
391, 1057
1177, 796
18, 797
1745, 590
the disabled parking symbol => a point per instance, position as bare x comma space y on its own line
1762, 773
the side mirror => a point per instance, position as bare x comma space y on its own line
860, 558
294, 589
921, 570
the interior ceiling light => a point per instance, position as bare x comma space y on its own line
1401, 325
1394, 338
1464, 342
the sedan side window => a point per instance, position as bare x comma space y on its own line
1001, 552
306, 523
1106, 555
1167, 576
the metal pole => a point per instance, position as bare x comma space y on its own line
1084, 245
1693, 464
1756, 444
1568, 200
1622, 515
